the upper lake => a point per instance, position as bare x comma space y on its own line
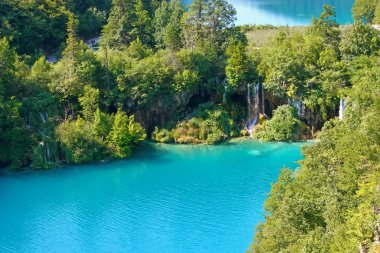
287, 12
165, 198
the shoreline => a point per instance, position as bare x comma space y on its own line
144, 146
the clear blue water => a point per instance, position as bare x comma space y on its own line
287, 12
166, 199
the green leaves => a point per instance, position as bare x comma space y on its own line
128, 20
238, 65
106, 136
330, 204
210, 124
364, 10
284, 126
124, 135
360, 39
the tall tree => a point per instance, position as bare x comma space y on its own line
161, 20
192, 23
116, 32
220, 15
142, 26
327, 27
128, 21
237, 69
77, 68
172, 36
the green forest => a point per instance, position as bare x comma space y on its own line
187, 74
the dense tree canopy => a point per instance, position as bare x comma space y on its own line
331, 203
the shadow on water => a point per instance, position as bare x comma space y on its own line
148, 151
160, 154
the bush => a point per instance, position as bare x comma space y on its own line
79, 143
162, 135
284, 126
210, 124
107, 135
125, 134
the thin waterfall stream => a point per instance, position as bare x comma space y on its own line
253, 108
342, 107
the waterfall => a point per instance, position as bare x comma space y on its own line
256, 94
47, 153
43, 118
249, 100
44, 143
298, 105
263, 99
342, 107
253, 108
225, 91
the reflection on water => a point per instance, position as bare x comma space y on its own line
287, 12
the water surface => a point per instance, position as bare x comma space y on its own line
166, 198
287, 12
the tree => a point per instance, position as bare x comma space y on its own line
33, 25
237, 69
116, 33
220, 16
360, 39
376, 19
282, 67
89, 101
172, 32
327, 27
167, 23
128, 21
161, 20
207, 21
142, 26
79, 143
77, 68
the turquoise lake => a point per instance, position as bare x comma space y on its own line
287, 12
166, 198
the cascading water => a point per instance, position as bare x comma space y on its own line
225, 91
44, 143
298, 105
263, 99
43, 118
253, 108
342, 107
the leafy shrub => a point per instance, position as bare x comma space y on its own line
210, 124
79, 142
125, 134
284, 126
107, 135
162, 135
